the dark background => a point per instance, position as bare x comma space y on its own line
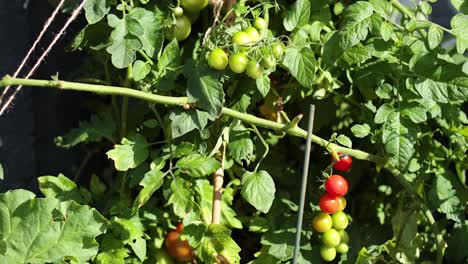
38, 115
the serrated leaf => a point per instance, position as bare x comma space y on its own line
218, 241
355, 25
434, 36
417, 113
181, 197
453, 92
169, 55
298, 15
413, 25
381, 7
204, 88
444, 196
124, 45
345, 141
382, 113
52, 186
263, 85
151, 36
386, 30
100, 126
95, 10
355, 55
186, 121
197, 165
258, 189
132, 232
152, 181
302, 65
140, 70
45, 230
132, 152
360, 131
240, 145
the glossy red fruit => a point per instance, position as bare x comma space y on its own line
329, 204
177, 248
344, 163
336, 185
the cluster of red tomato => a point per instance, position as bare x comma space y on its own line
244, 59
179, 249
332, 221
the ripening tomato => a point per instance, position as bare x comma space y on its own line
331, 238
322, 222
329, 203
260, 23
193, 5
344, 163
180, 227
253, 34
178, 249
342, 203
218, 59
328, 253
342, 248
340, 220
336, 185
254, 69
238, 62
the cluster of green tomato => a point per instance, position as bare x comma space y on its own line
243, 59
185, 15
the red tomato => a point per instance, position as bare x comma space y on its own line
176, 248
180, 227
344, 163
329, 204
336, 185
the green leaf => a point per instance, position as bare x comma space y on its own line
301, 64
152, 181
132, 232
444, 196
381, 7
258, 188
1, 172
386, 30
355, 55
99, 127
181, 197
131, 153
413, 25
52, 186
197, 165
140, 70
124, 45
416, 113
93, 36
45, 230
218, 241
169, 55
382, 113
240, 145
298, 15
457, 242
454, 92
461, 5
425, 7
112, 251
399, 136
360, 131
151, 33
204, 88
263, 85
95, 10
434, 36
460, 29
345, 141
96, 186
355, 25
186, 121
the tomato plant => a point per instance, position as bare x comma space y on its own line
175, 137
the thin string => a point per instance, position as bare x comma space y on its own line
74, 15
33, 47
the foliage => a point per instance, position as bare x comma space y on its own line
392, 87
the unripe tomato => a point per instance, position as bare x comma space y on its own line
331, 238
260, 23
218, 59
253, 34
342, 203
344, 163
178, 11
242, 39
254, 69
340, 220
238, 62
342, 248
328, 253
338, 8
162, 257
277, 49
322, 222
329, 203
344, 238
176, 248
181, 29
268, 61
193, 5
336, 185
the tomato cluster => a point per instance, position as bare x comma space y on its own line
332, 221
177, 248
185, 15
244, 58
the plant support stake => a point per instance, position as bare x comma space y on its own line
305, 174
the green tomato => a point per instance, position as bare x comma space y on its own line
181, 29
277, 49
254, 69
260, 23
162, 257
322, 222
238, 62
328, 253
193, 5
342, 248
253, 34
331, 238
178, 11
218, 59
338, 8
340, 220
242, 39
344, 238
268, 61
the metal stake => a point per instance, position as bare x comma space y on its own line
305, 174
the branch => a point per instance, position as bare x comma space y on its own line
180, 101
